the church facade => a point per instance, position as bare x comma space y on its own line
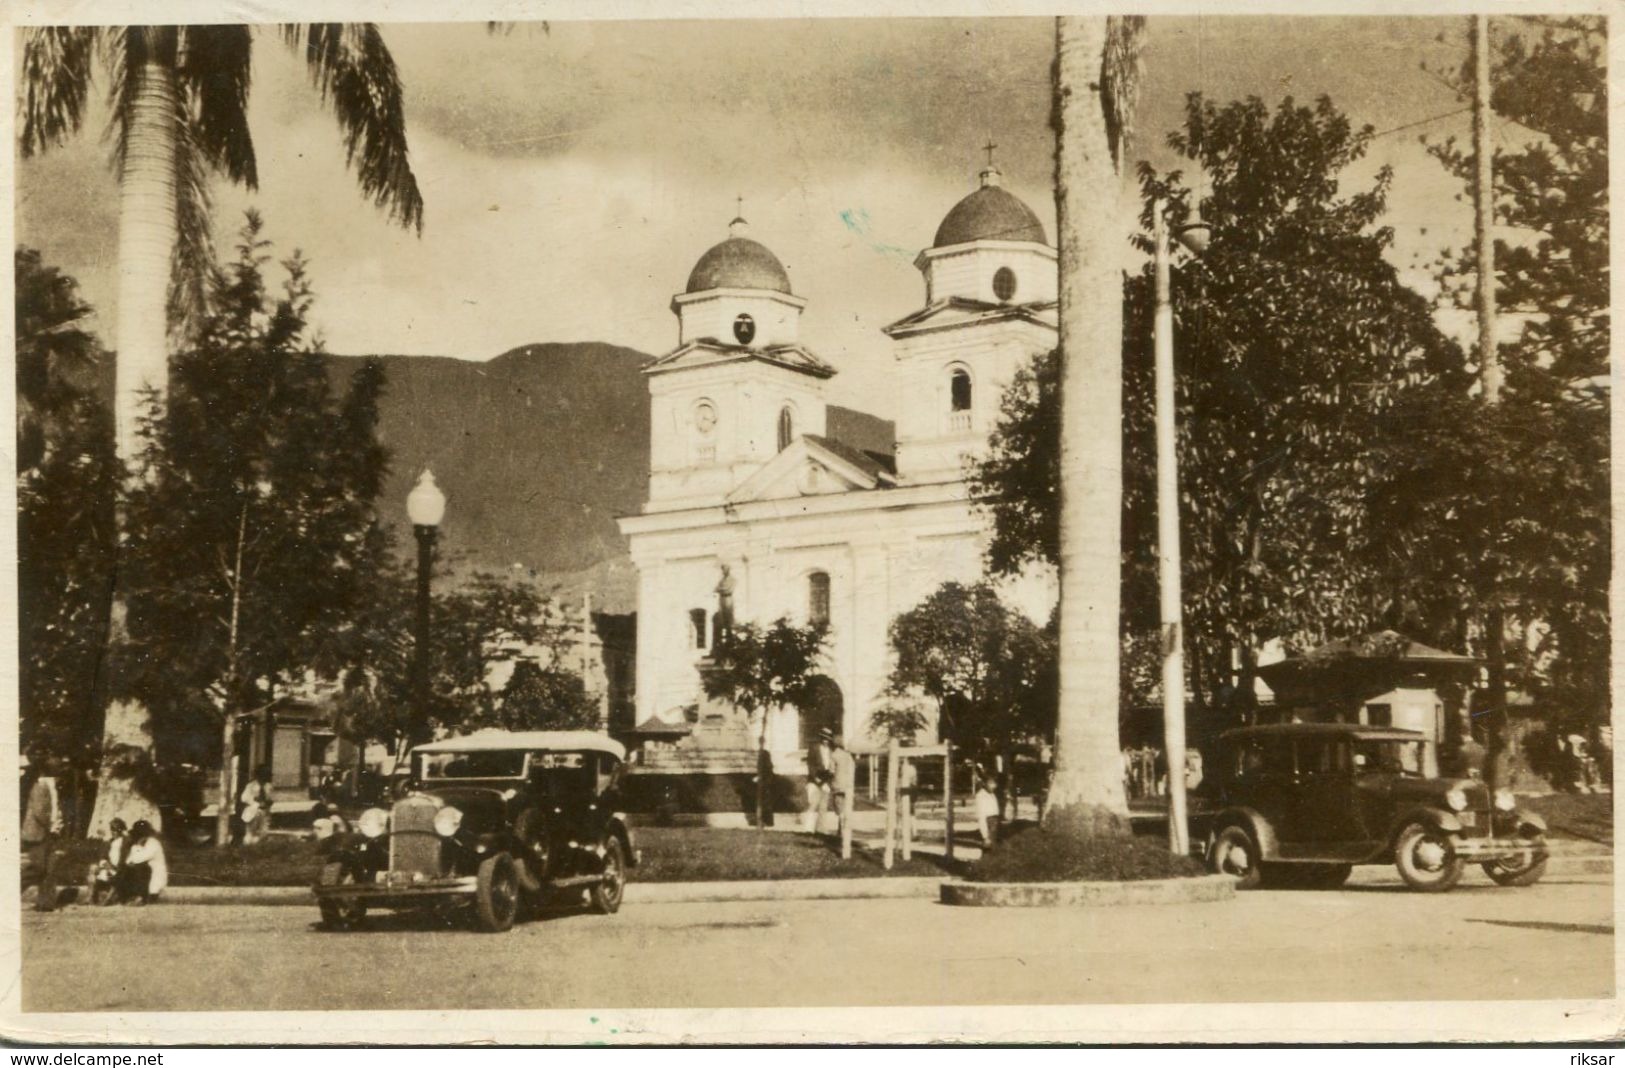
756, 500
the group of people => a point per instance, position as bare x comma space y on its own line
133, 870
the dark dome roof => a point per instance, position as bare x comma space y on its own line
990, 214
738, 263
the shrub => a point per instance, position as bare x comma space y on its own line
1039, 856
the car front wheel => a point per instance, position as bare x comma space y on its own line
606, 895
531, 831
1235, 853
1523, 868
340, 915
496, 893
1427, 860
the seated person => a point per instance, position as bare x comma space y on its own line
145, 872
104, 875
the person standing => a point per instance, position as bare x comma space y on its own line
843, 785
820, 779
254, 807
42, 824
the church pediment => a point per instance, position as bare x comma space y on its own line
961, 311
706, 351
811, 466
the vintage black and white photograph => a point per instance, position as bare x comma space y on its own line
584, 516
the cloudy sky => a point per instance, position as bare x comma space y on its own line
573, 176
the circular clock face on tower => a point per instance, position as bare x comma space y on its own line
1004, 283
705, 417
744, 328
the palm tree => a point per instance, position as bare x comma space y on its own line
179, 102
1095, 80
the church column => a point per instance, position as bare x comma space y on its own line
651, 652
871, 617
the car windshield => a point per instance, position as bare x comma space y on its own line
1388, 755
495, 764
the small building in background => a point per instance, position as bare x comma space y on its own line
1382, 679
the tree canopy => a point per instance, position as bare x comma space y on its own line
68, 479
989, 669
253, 540
1294, 340
1507, 507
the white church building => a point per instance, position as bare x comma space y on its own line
746, 479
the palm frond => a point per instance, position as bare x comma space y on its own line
1120, 73
352, 69
56, 81
192, 264
214, 72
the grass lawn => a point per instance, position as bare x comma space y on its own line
275, 861
707, 854
670, 854
1584, 817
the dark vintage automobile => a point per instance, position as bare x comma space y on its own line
495, 820
1300, 804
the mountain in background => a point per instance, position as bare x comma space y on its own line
538, 451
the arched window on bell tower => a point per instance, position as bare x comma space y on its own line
959, 399
786, 428
818, 597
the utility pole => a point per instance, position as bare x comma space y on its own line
1489, 359
1168, 549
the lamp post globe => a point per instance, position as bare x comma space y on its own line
426, 507
1195, 236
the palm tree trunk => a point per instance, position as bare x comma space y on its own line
147, 230
1086, 793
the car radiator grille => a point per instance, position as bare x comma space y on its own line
414, 847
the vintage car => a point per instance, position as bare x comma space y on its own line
494, 820
1300, 804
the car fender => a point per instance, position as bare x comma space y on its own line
1427, 815
1261, 829
618, 827
1530, 823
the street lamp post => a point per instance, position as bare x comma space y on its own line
1194, 237
426, 506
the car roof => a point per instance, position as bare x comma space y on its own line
494, 739
1324, 730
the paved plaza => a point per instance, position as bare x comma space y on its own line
1370, 941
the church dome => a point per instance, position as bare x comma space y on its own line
738, 263
990, 214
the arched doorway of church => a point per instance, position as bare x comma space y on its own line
824, 708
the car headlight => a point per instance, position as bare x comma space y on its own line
447, 820
1504, 800
1456, 799
373, 822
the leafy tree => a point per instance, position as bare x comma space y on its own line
68, 480
990, 671
546, 697
758, 669
57, 357
1506, 510
1294, 341
474, 625
253, 539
